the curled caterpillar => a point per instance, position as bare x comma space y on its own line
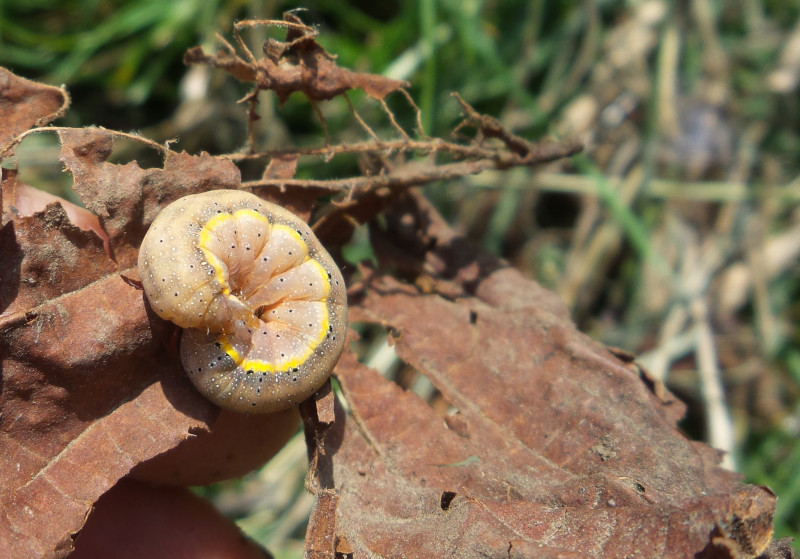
263, 304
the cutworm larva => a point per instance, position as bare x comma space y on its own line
262, 303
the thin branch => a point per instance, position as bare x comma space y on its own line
163, 148
412, 174
391, 118
360, 120
501, 159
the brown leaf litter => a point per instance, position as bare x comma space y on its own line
550, 446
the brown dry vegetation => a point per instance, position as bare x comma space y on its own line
532, 440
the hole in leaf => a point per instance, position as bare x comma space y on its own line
446, 499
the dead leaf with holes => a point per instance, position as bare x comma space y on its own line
548, 445
90, 387
551, 446
297, 65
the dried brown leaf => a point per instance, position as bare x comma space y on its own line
127, 197
553, 446
299, 64
25, 104
137, 520
90, 387
282, 167
80, 356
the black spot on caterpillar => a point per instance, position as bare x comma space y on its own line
196, 272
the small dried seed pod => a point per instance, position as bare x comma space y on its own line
263, 304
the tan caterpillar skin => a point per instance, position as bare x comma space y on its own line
263, 304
